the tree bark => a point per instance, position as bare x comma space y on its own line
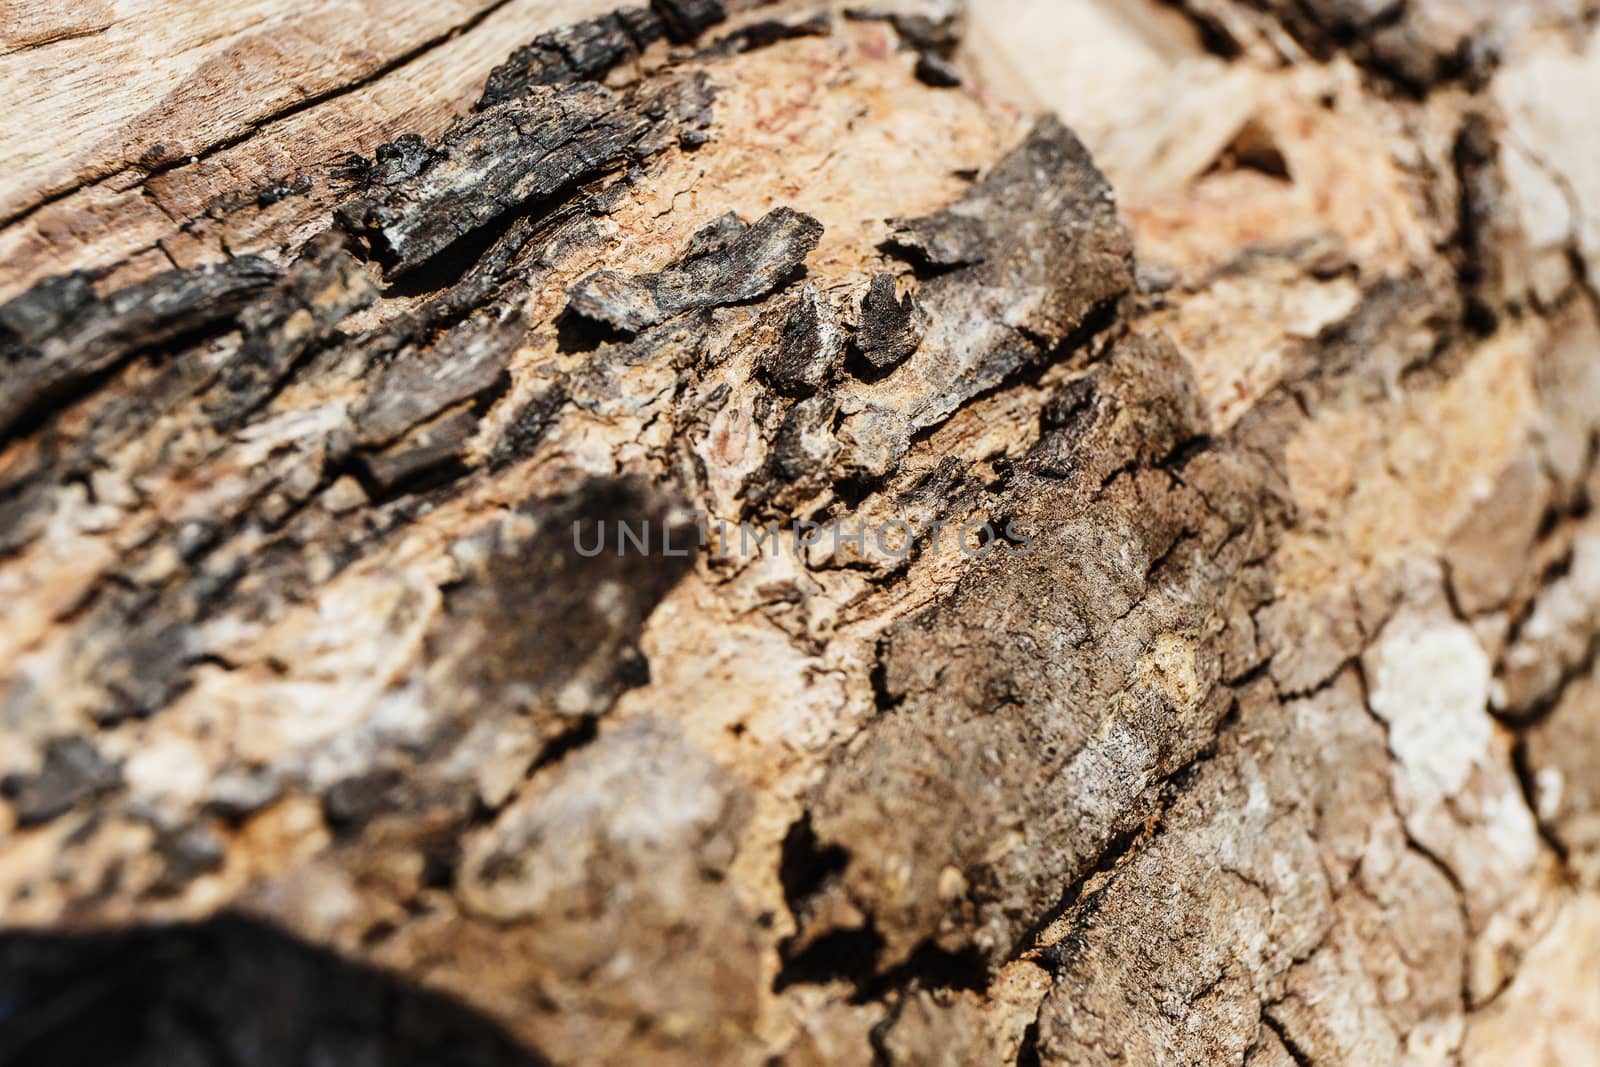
1096, 560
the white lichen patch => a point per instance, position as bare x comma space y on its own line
1430, 683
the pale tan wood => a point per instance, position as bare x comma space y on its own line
294, 84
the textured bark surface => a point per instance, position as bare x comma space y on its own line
1226, 374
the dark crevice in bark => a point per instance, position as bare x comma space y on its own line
1211, 30
806, 865
1475, 156
930, 968
582, 733
1028, 1050
1528, 782
1295, 1053
878, 1036
848, 956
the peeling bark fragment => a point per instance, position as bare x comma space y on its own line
526, 249
395, 162
529, 425
584, 51
1047, 188
44, 310
939, 34
728, 263
934, 38
1110, 419
355, 801
239, 793
891, 326
145, 668
937, 31
937, 72
324, 286
627, 377
1026, 258
1417, 43
496, 644
73, 771
59, 334
642, 25
466, 363
688, 19
803, 460
1343, 16
524, 150
431, 446
809, 345
769, 32
805, 447
943, 240
716, 235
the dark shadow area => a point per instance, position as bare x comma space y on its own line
231, 992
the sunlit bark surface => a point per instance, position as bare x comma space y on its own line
1180, 421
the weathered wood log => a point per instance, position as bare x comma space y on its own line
1047, 533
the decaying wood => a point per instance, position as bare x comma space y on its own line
1227, 373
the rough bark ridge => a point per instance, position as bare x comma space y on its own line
1223, 690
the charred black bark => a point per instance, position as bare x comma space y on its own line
729, 263
525, 150
58, 335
